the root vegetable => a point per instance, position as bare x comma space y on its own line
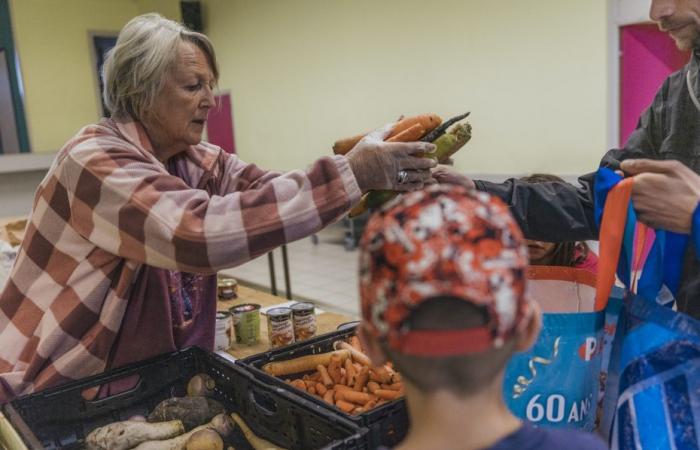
373, 386
299, 384
192, 411
387, 394
357, 355
200, 385
344, 406
427, 121
255, 441
361, 379
442, 128
329, 396
207, 439
303, 363
325, 377
180, 442
321, 389
130, 433
359, 398
410, 134
334, 368
350, 372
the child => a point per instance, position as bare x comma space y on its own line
568, 254
442, 286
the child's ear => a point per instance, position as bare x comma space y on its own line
371, 345
526, 339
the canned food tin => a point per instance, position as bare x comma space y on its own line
227, 288
304, 317
246, 323
280, 327
222, 331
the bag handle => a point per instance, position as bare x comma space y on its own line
611, 235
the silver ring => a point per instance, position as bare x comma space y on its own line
401, 177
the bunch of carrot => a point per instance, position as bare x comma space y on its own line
424, 127
344, 378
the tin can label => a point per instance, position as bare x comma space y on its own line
222, 331
280, 328
304, 319
246, 323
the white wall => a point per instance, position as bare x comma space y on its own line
303, 73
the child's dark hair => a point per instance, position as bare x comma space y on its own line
564, 253
463, 374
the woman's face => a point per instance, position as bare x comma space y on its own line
179, 113
540, 251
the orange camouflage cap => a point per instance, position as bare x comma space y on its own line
443, 241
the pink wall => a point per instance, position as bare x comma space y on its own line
647, 57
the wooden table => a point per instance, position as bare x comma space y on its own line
325, 322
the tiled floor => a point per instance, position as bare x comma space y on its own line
323, 272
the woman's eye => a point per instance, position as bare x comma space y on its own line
193, 87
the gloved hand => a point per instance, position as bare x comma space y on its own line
376, 164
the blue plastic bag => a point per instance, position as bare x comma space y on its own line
653, 391
557, 382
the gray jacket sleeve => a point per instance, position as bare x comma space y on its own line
556, 211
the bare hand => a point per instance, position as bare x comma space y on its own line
376, 164
665, 193
443, 174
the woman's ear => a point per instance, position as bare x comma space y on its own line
526, 339
370, 345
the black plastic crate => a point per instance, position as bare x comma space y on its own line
61, 418
387, 424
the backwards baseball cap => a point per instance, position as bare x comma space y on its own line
443, 241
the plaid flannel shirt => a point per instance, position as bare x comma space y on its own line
106, 207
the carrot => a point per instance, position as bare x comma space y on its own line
299, 384
370, 404
344, 406
303, 363
350, 372
328, 396
387, 394
312, 390
393, 387
427, 121
411, 134
334, 369
372, 386
361, 379
309, 383
325, 377
385, 375
321, 389
355, 397
357, 355
342, 387
358, 410
355, 342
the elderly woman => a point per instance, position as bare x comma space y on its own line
137, 214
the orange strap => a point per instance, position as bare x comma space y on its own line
612, 230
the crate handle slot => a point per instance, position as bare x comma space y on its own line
263, 403
122, 387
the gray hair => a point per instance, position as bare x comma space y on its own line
146, 49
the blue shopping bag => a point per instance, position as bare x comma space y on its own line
653, 399
556, 383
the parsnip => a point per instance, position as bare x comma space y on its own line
129, 433
180, 442
255, 441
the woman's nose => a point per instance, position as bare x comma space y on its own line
662, 9
209, 100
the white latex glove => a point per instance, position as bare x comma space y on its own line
376, 164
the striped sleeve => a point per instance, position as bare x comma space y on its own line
123, 202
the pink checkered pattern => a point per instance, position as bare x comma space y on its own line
107, 207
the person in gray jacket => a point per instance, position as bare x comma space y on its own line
668, 130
